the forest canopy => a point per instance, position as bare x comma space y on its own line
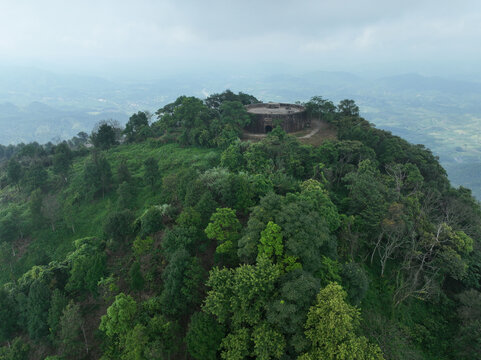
174, 237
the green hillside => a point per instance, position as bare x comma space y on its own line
174, 238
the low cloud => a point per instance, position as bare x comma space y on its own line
301, 33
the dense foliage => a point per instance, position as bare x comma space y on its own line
174, 239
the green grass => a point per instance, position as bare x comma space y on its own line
46, 245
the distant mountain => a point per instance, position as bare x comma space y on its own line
42, 123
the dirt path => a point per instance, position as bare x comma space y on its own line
316, 126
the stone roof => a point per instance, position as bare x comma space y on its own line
274, 108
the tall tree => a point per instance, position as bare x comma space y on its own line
123, 172
203, 337
8, 316
136, 126
105, 134
57, 304
331, 327
97, 174
151, 171
225, 228
38, 304
72, 332
51, 209
35, 176
14, 172
62, 160
348, 107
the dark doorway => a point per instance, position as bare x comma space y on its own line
268, 129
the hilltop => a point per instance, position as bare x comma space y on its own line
176, 237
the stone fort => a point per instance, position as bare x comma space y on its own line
266, 116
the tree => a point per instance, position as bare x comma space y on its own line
151, 171
239, 296
125, 196
395, 233
225, 228
118, 225
138, 332
62, 160
306, 219
69, 214
331, 328
203, 337
439, 251
189, 217
135, 276
268, 343
8, 316
235, 114
189, 117
86, 271
355, 280
367, 197
87, 266
35, 176
320, 108
236, 345
105, 134
79, 141
182, 277
468, 339
35, 207
7, 256
57, 304
18, 350
120, 317
11, 226
233, 118
50, 209
72, 331
135, 126
38, 304
97, 174
135, 343
151, 221
348, 107
181, 237
270, 244
123, 172
14, 172
163, 339
216, 100
287, 311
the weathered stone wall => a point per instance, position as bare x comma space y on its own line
289, 117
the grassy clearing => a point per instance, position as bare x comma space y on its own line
44, 245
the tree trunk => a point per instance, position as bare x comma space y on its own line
85, 339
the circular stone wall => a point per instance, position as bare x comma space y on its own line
266, 116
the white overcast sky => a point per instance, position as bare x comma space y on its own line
304, 35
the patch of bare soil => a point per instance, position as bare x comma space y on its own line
325, 131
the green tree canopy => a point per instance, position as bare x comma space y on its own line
331, 328
133, 129
105, 134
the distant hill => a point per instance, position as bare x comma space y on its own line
444, 114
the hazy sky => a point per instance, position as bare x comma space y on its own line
101, 35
